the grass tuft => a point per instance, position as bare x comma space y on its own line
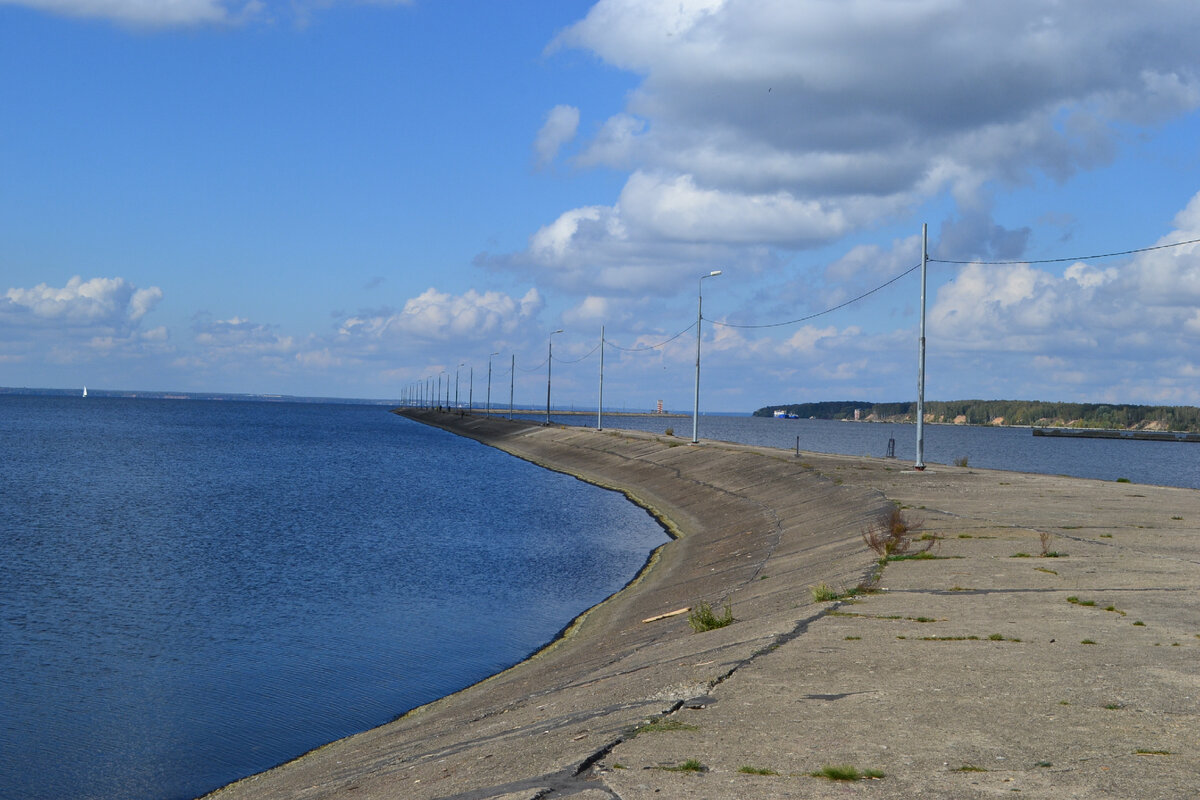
746, 769
691, 765
703, 618
845, 772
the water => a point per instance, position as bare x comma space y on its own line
191, 592
1158, 463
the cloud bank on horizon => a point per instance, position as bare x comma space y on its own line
379, 191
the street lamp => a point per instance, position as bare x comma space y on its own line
600, 401
699, 316
549, 360
456, 369
471, 391
489, 391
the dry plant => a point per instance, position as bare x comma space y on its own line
891, 535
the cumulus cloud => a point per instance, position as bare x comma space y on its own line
1089, 310
440, 316
559, 129
790, 124
240, 336
99, 302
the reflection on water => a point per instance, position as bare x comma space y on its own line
195, 591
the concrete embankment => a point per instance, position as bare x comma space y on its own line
976, 674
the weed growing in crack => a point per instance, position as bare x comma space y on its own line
691, 765
746, 769
703, 618
891, 534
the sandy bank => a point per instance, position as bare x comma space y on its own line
975, 660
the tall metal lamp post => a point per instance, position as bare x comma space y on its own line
920, 463
549, 361
456, 369
699, 316
489, 391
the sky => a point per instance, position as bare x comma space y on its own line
351, 198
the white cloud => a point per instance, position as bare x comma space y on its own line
559, 129
241, 337
440, 316
787, 124
109, 302
592, 310
1141, 306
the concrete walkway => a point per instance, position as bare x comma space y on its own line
986, 671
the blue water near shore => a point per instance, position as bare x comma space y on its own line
191, 592
1158, 463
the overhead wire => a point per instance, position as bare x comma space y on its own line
853, 300
1076, 258
650, 347
819, 313
581, 358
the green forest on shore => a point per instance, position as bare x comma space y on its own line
1033, 413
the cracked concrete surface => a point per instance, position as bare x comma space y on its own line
968, 675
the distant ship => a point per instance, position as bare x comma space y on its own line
782, 414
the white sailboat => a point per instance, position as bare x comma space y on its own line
85, 391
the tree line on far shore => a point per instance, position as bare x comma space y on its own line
1034, 413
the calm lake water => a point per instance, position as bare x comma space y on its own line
1160, 463
191, 591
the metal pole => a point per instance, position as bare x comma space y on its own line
699, 316
456, 369
600, 402
488, 412
549, 361
471, 392
512, 381
920, 464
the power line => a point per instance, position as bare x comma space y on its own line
1076, 258
653, 346
581, 358
819, 313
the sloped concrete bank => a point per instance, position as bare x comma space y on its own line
754, 530
990, 670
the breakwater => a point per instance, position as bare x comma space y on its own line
962, 676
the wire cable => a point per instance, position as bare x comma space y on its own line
1077, 258
651, 347
581, 358
819, 313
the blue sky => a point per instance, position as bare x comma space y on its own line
340, 198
